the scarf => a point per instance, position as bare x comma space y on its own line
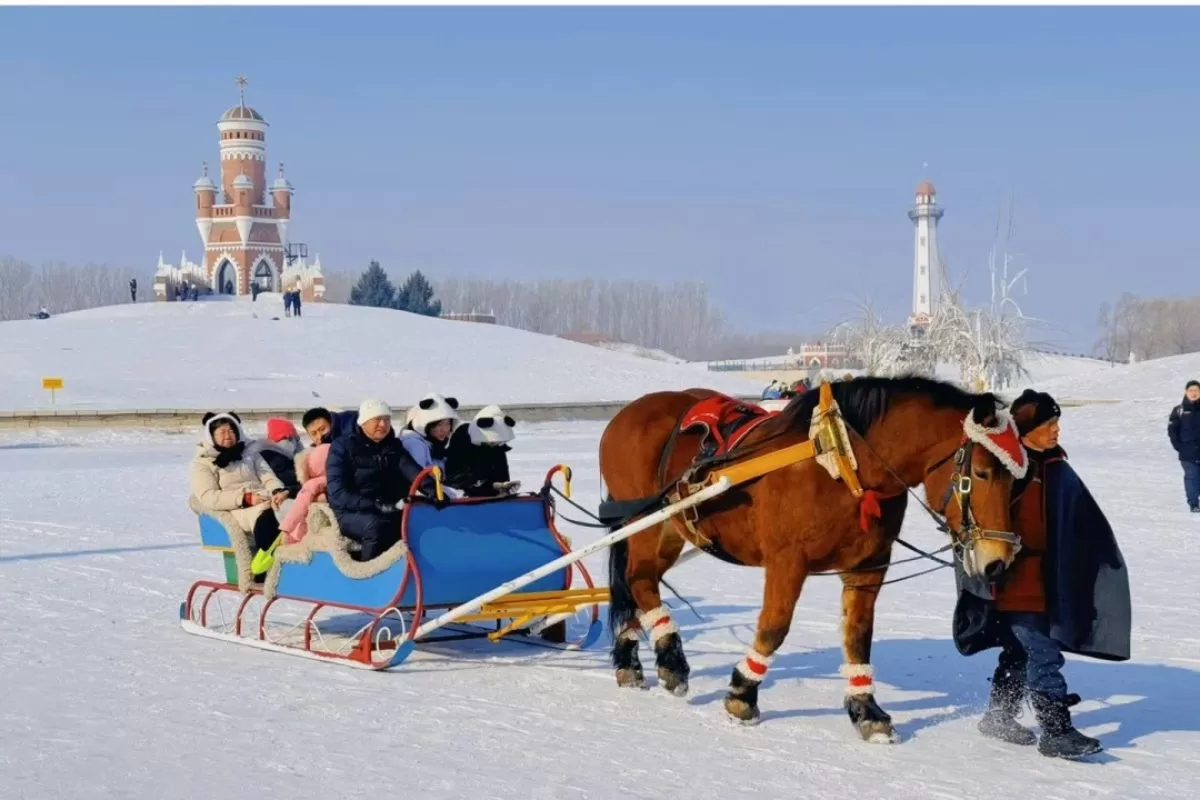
228, 455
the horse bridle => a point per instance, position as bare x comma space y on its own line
959, 488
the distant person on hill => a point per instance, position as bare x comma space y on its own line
1066, 590
323, 426
772, 391
225, 475
1183, 428
427, 432
368, 474
279, 449
477, 455
133, 290
296, 302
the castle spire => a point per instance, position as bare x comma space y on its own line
241, 84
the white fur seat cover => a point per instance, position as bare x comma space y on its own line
324, 536
240, 540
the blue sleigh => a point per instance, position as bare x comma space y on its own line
318, 601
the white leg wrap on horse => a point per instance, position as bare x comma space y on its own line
632, 631
658, 623
859, 678
754, 666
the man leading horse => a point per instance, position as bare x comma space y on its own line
1066, 590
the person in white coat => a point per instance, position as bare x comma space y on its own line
226, 475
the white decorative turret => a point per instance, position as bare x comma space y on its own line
206, 195
927, 265
281, 195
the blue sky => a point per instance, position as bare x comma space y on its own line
772, 152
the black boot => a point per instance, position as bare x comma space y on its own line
1059, 736
1004, 705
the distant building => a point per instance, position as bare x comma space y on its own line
470, 316
807, 356
245, 237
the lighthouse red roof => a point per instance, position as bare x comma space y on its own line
925, 189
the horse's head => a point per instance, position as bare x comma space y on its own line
972, 488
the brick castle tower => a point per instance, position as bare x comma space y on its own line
245, 238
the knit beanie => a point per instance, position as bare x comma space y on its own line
1033, 409
279, 429
1190, 384
373, 408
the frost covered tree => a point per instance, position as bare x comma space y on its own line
986, 344
373, 289
881, 349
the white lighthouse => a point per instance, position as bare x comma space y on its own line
927, 266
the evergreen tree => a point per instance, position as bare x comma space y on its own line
373, 289
416, 296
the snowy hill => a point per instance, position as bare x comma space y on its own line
1160, 381
651, 353
234, 353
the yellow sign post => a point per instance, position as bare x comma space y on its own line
53, 385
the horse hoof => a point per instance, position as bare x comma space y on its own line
673, 683
871, 721
740, 710
630, 679
878, 733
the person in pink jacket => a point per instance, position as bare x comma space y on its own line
295, 524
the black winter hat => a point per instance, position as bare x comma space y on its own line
1190, 384
1033, 409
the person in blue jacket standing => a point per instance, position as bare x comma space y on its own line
1183, 429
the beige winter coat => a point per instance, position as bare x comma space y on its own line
217, 489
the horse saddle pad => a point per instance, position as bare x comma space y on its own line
725, 423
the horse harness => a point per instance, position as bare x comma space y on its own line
960, 488
830, 440
707, 466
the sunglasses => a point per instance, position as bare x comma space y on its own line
487, 422
428, 402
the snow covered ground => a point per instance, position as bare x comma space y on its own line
104, 697
238, 354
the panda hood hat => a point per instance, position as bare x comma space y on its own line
210, 422
492, 426
432, 408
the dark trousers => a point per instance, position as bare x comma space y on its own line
266, 529
1027, 647
375, 532
1191, 482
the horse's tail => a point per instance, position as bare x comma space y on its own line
622, 608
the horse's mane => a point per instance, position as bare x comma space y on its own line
865, 401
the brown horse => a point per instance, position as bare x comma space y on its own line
798, 520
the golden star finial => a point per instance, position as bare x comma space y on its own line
241, 82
